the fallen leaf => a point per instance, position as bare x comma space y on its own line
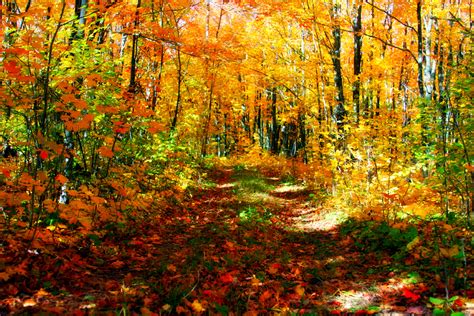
171, 268
413, 297
273, 269
265, 296
117, 264
112, 285
29, 302
41, 293
299, 290
4, 276
197, 306
449, 252
180, 309
227, 278
255, 282
146, 312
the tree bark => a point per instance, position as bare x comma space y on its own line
357, 28
339, 111
132, 87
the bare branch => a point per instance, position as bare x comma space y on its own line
392, 16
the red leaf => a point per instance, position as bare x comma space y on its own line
458, 303
43, 154
227, 278
121, 130
6, 173
12, 67
389, 196
61, 179
265, 296
410, 295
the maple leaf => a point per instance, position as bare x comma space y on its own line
6, 173
469, 167
12, 67
207, 293
171, 268
105, 152
227, 278
274, 268
413, 297
458, 303
197, 306
4, 276
265, 296
43, 154
255, 282
61, 179
449, 252
299, 290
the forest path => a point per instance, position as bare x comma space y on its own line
261, 244
247, 244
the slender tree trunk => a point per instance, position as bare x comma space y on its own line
132, 86
275, 131
357, 28
421, 84
178, 88
339, 111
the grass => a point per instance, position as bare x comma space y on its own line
249, 181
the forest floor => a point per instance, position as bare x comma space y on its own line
248, 244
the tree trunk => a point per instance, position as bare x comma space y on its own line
275, 131
339, 111
132, 87
357, 28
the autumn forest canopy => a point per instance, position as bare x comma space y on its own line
159, 139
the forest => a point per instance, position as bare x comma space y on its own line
236, 157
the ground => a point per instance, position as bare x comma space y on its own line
248, 244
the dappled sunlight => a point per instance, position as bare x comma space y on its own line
261, 197
225, 185
285, 188
313, 219
374, 296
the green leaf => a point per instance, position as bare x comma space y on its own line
95, 239
438, 312
437, 301
452, 299
457, 314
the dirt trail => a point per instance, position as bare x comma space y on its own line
282, 251
249, 244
